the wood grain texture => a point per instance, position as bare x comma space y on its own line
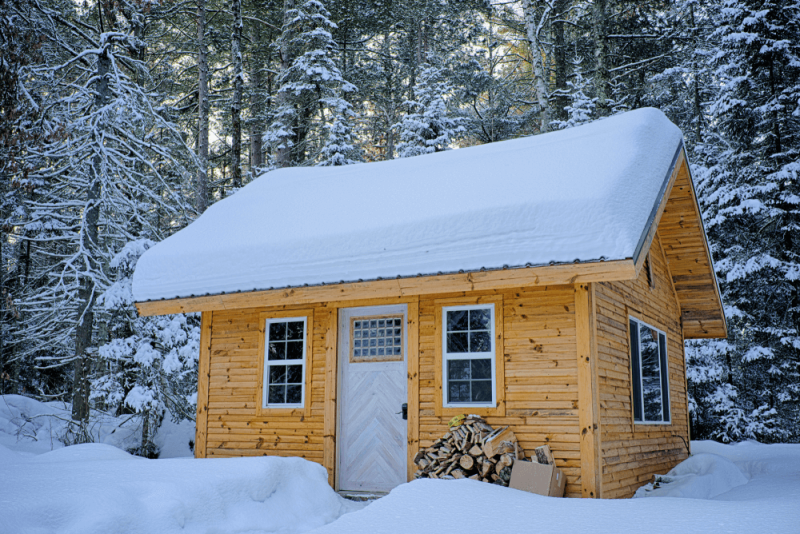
633, 453
413, 386
331, 318
585, 321
539, 371
685, 245
372, 435
203, 378
402, 287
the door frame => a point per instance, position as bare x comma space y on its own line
341, 359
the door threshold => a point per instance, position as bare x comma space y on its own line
362, 496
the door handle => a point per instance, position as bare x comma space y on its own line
404, 410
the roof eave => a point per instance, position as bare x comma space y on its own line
400, 287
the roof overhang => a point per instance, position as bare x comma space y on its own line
400, 287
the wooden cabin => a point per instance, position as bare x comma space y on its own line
547, 283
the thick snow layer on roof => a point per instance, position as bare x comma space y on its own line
577, 194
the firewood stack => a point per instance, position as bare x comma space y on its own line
471, 449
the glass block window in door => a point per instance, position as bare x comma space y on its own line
284, 363
376, 338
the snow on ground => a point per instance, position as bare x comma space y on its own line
32, 427
100, 488
97, 488
744, 488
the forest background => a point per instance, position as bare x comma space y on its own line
122, 120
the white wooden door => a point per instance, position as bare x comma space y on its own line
373, 374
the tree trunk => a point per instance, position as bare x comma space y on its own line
201, 180
560, 59
87, 293
283, 154
600, 37
256, 108
532, 29
236, 101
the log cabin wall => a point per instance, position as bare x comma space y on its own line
540, 394
234, 426
538, 399
633, 453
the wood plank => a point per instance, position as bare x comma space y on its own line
423, 285
413, 386
331, 366
587, 392
203, 378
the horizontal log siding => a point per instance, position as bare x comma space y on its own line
541, 392
540, 357
632, 454
234, 393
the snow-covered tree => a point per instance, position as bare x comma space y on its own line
148, 364
310, 87
748, 183
430, 126
581, 107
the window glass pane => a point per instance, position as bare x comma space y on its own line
294, 330
277, 374
457, 320
397, 322
458, 370
457, 343
277, 351
277, 395
293, 394
458, 392
277, 331
397, 350
480, 342
662, 351
294, 375
637, 383
651, 377
481, 369
479, 319
294, 350
482, 391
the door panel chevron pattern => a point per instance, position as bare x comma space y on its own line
372, 434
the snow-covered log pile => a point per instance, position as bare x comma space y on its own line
471, 449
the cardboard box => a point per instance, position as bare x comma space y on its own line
536, 478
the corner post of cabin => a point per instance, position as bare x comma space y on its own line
203, 378
329, 422
413, 386
588, 404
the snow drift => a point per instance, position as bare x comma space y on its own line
97, 488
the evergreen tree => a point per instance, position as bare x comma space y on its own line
749, 191
430, 126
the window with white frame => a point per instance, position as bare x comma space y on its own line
650, 371
284, 363
468, 355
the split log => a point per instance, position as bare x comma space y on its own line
467, 462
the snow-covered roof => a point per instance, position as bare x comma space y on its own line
586, 194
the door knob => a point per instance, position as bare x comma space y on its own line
404, 410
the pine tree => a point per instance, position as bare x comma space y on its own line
310, 87
749, 191
430, 126
581, 108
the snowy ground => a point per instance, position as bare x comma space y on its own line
99, 488
745, 488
